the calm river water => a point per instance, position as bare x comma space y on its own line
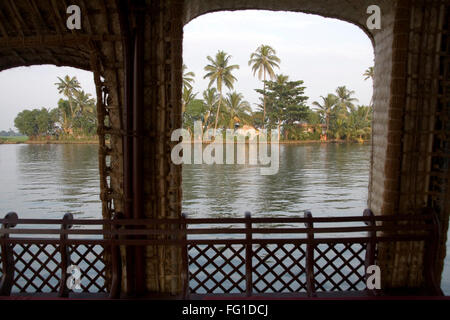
45, 181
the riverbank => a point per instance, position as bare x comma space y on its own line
62, 142
294, 142
19, 141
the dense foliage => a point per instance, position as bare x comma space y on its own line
282, 103
73, 118
282, 106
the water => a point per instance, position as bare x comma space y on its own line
46, 181
325, 179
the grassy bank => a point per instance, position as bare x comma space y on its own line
26, 140
320, 141
61, 142
295, 142
13, 140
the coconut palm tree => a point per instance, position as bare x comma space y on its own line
68, 87
210, 98
358, 124
281, 79
345, 99
187, 97
340, 127
326, 108
84, 102
369, 73
263, 61
220, 72
188, 78
237, 107
65, 115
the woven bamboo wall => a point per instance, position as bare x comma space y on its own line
162, 100
413, 114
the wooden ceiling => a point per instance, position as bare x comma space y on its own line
34, 32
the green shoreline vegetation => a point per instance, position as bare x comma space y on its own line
282, 104
282, 107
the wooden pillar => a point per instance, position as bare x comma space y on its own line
152, 55
162, 114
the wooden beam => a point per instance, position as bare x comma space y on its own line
14, 18
55, 60
19, 16
37, 16
105, 12
17, 55
2, 27
88, 19
59, 21
34, 16
55, 40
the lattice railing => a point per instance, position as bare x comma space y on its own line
216, 268
92, 267
41, 265
279, 268
231, 256
340, 267
36, 268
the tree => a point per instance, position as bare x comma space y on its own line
68, 87
188, 78
285, 102
34, 123
65, 116
263, 60
345, 99
210, 98
195, 111
369, 73
238, 108
44, 122
359, 123
326, 108
187, 97
220, 72
24, 122
84, 102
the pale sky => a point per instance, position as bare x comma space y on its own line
324, 53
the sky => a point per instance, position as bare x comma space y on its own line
324, 53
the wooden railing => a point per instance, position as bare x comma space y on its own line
282, 256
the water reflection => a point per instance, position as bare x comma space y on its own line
45, 181
326, 179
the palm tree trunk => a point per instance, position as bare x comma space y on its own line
328, 125
264, 100
279, 125
218, 111
71, 111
